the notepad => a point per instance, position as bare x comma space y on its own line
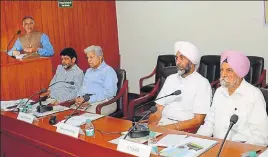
171, 140
189, 147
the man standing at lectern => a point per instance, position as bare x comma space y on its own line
32, 41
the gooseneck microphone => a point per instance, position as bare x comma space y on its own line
39, 92
44, 108
69, 82
17, 33
233, 120
86, 98
153, 109
177, 92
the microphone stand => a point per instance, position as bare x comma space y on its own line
136, 124
178, 92
233, 120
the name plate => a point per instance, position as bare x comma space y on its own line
67, 129
133, 148
25, 117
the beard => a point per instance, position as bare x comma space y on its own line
182, 71
66, 66
227, 84
224, 83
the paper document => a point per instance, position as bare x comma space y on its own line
189, 147
81, 119
57, 108
264, 154
136, 140
20, 56
171, 140
12, 103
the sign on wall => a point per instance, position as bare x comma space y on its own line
266, 11
65, 3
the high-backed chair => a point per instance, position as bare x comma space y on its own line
257, 74
210, 68
121, 97
265, 94
162, 61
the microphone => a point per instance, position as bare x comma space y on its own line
39, 92
233, 120
17, 33
177, 92
42, 108
86, 98
69, 82
143, 131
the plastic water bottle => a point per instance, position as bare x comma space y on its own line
152, 142
89, 128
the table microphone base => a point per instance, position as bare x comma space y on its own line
44, 108
140, 131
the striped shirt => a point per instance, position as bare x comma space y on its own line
64, 91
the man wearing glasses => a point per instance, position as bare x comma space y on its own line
32, 42
185, 111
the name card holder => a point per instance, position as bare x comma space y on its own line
69, 130
26, 117
134, 148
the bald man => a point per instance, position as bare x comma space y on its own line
236, 96
188, 110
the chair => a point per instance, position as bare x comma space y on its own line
121, 97
265, 95
137, 103
162, 61
257, 74
210, 68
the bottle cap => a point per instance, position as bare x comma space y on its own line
152, 134
88, 121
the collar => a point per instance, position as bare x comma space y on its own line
188, 77
240, 90
101, 66
72, 68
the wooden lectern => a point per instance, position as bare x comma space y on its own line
22, 78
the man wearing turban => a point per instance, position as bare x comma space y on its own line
187, 110
236, 96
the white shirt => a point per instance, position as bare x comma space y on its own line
248, 103
195, 97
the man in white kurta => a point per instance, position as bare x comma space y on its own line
245, 100
187, 110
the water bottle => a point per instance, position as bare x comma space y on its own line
152, 143
89, 128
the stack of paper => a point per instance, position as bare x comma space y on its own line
189, 147
81, 119
11, 104
20, 56
171, 140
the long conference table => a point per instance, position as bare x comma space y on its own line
40, 139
